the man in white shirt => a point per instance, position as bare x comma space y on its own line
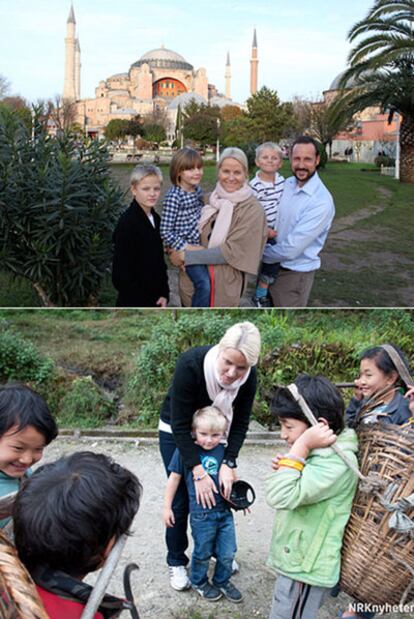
306, 212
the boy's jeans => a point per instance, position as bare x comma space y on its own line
214, 534
198, 273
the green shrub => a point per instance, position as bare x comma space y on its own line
84, 404
58, 209
19, 359
384, 160
323, 155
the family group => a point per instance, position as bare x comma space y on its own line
272, 228
69, 514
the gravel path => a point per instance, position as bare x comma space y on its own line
154, 596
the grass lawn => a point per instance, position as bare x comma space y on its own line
368, 259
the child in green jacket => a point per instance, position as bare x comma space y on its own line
312, 490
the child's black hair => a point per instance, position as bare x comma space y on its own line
322, 397
383, 361
22, 406
68, 511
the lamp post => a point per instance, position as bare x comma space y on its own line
397, 149
218, 140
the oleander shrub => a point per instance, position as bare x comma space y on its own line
58, 209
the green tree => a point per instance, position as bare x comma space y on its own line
116, 129
58, 209
237, 131
201, 123
134, 127
153, 132
271, 118
381, 71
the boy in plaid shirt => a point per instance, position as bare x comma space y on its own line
181, 214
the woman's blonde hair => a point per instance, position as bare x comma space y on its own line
232, 152
244, 337
211, 415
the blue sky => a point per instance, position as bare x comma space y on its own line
302, 45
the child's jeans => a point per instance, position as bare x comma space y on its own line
268, 272
214, 534
198, 273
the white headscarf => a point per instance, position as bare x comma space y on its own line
222, 396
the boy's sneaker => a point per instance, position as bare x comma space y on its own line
262, 302
178, 577
208, 592
231, 593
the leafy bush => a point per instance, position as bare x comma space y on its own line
250, 152
58, 209
384, 160
19, 359
84, 405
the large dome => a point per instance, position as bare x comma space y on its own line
351, 82
163, 58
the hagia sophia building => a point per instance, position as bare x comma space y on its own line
160, 81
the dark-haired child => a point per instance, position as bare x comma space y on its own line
26, 427
312, 491
379, 381
181, 216
67, 517
378, 398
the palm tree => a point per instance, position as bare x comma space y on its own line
381, 71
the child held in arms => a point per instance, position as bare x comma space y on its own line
268, 187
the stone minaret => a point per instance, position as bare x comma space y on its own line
77, 70
227, 76
254, 62
69, 86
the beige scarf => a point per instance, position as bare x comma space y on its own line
223, 202
222, 396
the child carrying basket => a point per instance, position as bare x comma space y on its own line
378, 547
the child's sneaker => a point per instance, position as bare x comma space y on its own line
231, 593
262, 302
178, 577
208, 592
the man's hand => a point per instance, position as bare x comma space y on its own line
177, 258
162, 302
168, 517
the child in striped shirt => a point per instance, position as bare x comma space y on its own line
181, 215
268, 189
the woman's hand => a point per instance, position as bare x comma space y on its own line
204, 488
176, 258
168, 517
226, 478
162, 302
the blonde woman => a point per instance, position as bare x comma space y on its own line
223, 376
233, 231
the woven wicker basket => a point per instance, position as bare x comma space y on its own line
18, 595
378, 562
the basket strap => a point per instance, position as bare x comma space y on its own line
314, 422
399, 364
